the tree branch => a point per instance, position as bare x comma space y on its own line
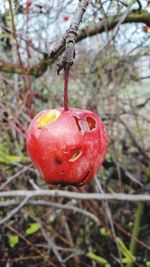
37, 70
54, 205
69, 54
73, 195
132, 17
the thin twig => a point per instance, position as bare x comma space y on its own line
11, 178
109, 216
14, 211
39, 202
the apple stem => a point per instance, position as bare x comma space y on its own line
66, 78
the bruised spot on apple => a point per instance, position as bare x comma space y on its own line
67, 147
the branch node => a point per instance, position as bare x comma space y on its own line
67, 60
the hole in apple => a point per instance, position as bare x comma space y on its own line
77, 121
75, 153
58, 161
91, 123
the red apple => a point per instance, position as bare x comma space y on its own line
28, 3
67, 147
146, 28
65, 17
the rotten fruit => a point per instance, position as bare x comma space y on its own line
67, 147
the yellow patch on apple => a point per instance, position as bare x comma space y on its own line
47, 118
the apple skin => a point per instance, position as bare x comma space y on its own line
69, 149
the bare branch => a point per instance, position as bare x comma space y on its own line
69, 54
15, 210
53, 205
135, 142
74, 195
112, 21
37, 70
10, 179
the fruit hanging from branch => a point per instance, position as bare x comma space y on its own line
67, 147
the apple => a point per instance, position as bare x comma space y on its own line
67, 147
65, 17
28, 3
146, 28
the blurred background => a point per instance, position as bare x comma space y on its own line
111, 76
